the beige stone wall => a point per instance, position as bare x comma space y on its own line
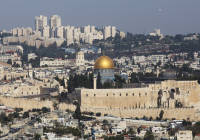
118, 98
137, 102
13, 75
27, 104
182, 113
17, 90
141, 97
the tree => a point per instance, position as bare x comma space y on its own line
35, 62
82, 80
70, 84
98, 114
149, 136
18, 109
16, 65
15, 115
99, 84
105, 122
119, 81
134, 78
37, 137
133, 62
55, 106
9, 61
4, 119
26, 114
77, 113
151, 118
107, 85
117, 137
131, 131
161, 114
63, 82
196, 128
45, 110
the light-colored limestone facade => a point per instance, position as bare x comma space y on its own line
20, 89
28, 104
80, 60
184, 135
54, 62
178, 99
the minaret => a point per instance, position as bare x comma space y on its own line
157, 72
95, 82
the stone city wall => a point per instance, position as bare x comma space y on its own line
180, 113
28, 104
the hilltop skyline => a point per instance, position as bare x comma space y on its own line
172, 17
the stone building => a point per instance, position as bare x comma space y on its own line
184, 135
80, 60
174, 97
19, 89
105, 67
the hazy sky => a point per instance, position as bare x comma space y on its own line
136, 16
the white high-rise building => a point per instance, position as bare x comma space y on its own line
21, 31
114, 31
59, 32
52, 32
93, 30
89, 38
156, 33
80, 60
122, 34
107, 32
40, 22
68, 34
87, 29
77, 34
55, 21
45, 31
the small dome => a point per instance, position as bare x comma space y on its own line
104, 62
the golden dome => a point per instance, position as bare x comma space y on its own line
104, 62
